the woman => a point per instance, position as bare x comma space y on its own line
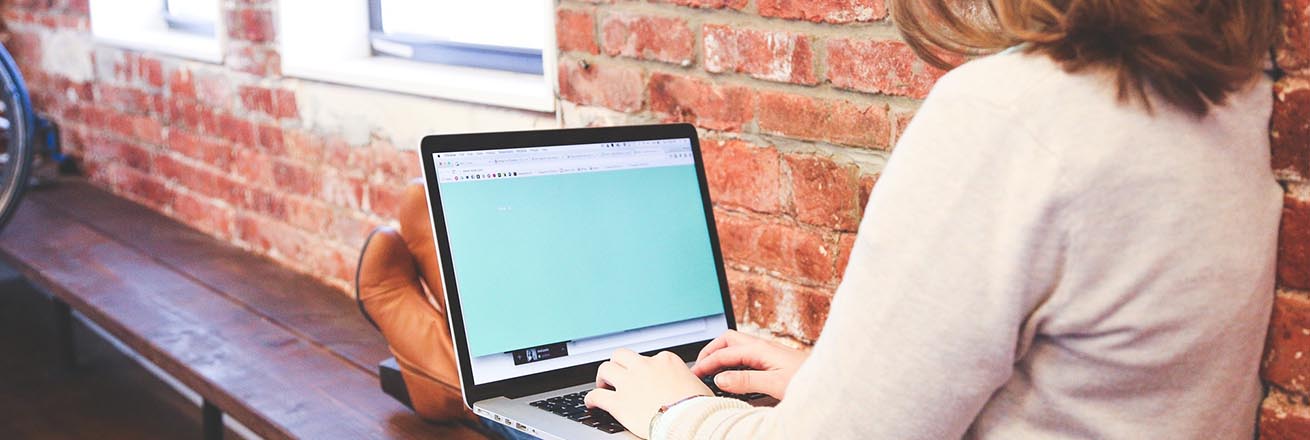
1075, 238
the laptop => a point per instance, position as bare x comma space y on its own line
558, 247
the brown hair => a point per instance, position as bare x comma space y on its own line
1192, 53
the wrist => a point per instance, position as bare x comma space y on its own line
654, 418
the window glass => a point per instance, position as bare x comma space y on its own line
502, 23
192, 16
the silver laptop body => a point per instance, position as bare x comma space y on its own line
558, 247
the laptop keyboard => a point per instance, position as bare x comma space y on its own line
572, 407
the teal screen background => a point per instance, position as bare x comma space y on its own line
547, 259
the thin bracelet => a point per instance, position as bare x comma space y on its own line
663, 409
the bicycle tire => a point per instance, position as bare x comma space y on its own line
19, 149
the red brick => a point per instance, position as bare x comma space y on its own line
305, 213
384, 199
64, 21
283, 242
866, 189
1294, 244
1294, 49
303, 146
1287, 348
687, 99
171, 168
254, 25
182, 114
334, 264
128, 154
203, 213
213, 88
829, 11
147, 129
823, 192
1284, 417
741, 286
11, 16
295, 178
285, 101
210, 152
616, 87
26, 49
576, 31
270, 139
709, 4
770, 55
145, 188
82, 7
112, 121
761, 301
252, 167
346, 158
258, 200
845, 244
876, 66
786, 249
743, 175
125, 99
255, 59
901, 121
395, 166
236, 130
150, 70
648, 38
838, 121
788, 309
257, 99
1290, 127
812, 312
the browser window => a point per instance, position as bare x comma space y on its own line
562, 254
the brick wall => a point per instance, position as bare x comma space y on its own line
1286, 411
799, 104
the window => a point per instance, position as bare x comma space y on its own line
488, 51
197, 17
185, 28
455, 33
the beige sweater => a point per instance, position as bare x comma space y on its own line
1041, 261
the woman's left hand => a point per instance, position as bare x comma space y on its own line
632, 387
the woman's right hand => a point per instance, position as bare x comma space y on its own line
770, 365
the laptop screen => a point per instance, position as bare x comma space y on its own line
564, 253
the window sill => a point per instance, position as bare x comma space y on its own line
498, 88
173, 43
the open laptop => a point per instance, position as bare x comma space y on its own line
558, 247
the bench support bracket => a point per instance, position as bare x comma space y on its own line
65, 350
211, 420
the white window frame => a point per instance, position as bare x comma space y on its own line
140, 25
329, 40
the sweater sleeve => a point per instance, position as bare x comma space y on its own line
960, 242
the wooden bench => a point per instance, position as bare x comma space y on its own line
283, 354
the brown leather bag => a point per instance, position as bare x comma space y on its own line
399, 288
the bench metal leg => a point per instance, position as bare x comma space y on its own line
64, 348
211, 420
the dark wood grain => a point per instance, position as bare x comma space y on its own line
296, 301
107, 396
283, 354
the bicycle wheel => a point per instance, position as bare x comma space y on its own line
16, 124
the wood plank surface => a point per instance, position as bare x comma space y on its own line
296, 301
294, 364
